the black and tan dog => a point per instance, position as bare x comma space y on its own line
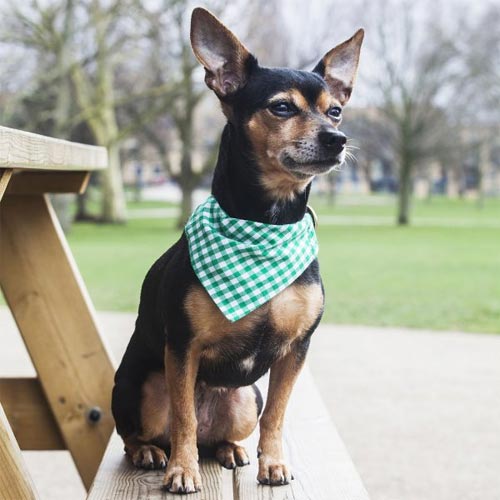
186, 378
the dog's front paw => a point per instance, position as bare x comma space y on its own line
273, 471
182, 477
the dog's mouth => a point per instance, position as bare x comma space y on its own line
313, 166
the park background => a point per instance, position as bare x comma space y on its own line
409, 230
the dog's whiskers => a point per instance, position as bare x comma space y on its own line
350, 157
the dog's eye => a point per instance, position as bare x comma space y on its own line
283, 109
335, 112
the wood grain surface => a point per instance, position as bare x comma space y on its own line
118, 479
24, 150
5, 175
41, 181
29, 414
53, 312
15, 482
320, 463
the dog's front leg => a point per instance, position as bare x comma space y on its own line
182, 474
284, 372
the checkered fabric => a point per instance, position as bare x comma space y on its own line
242, 264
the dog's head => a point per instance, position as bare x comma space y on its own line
290, 117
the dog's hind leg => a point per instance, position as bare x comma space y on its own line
231, 455
224, 416
146, 448
141, 422
145, 456
140, 408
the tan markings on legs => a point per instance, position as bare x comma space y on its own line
154, 421
154, 408
182, 475
272, 468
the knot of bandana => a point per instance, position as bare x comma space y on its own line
242, 264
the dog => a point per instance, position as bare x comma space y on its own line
186, 381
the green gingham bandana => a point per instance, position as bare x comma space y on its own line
242, 264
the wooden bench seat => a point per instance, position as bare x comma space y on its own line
322, 468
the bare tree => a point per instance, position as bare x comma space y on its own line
479, 89
415, 70
373, 139
88, 40
47, 106
169, 57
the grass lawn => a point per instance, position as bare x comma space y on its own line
424, 276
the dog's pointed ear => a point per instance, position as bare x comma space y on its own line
224, 57
340, 65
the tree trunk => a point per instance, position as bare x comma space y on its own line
404, 192
184, 122
113, 205
332, 189
97, 95
62, 204
366, 168
186, 205
82, 214
482, 170
62, 112
187, 177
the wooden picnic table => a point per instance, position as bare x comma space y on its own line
67, 406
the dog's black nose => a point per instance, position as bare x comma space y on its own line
333, 140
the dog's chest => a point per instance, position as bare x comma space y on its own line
239, 353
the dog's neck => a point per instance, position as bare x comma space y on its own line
238, 188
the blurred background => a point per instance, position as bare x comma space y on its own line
409, 230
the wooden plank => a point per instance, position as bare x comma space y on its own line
118, 479
29, 414
15, 482
53, 312
40, 182
321, 465
19, 149
319, 461
5, 175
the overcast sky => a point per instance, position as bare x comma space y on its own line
315, 26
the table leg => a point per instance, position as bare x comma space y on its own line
15, 482
5, 175
50, 304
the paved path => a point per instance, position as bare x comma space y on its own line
419, 411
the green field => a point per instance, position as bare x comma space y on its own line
442, 273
